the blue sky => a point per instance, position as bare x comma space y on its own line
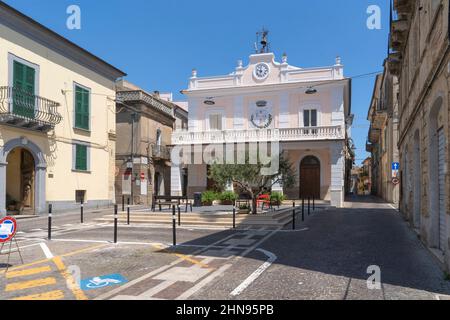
158, 42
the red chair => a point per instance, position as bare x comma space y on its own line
264, 199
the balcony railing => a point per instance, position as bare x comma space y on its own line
160, 152
267, 135
22, 109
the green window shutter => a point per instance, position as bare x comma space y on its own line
82, 97
23, 82
81, 158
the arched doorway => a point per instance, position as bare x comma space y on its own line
310, 177
417, 177
20, 182
437, 192
33, 167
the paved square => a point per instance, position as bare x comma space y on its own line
192, 274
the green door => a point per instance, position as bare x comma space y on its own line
24, 91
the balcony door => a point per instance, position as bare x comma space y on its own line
310, 177
24, 90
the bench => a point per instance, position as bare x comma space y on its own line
170, 201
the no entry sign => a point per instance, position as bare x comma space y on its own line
8, 229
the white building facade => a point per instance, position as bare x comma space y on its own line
306, 110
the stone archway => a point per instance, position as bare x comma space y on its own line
40, 172
437, 194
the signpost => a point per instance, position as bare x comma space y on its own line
395, 173
8, 230
395, 169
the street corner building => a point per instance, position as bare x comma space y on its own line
306, 110
420, 57
57, 121
145, 122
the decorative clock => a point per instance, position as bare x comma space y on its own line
261, 71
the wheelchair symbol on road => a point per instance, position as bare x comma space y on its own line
102, 282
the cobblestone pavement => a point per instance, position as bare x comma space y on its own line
327, 257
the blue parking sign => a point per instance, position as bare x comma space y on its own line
102, 282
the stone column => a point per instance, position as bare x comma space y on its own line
3, 188
40, 203
337, 175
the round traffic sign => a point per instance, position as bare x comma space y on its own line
8, 229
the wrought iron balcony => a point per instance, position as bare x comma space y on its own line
160, 152
22, 109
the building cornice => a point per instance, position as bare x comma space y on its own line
37, 32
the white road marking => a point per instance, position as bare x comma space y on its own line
255, 275
46, 250
204, 282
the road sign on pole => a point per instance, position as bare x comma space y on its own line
395, 169
8, 229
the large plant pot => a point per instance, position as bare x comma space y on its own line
244, 211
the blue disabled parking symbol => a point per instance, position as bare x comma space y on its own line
102, 282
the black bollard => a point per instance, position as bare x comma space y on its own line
123, 203
303, 209
234, 217
50, 209
115, 223
309, 206
179, 216
82, 211
128, 212
293, 218
174, 226
314, 203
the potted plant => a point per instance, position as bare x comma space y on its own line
277, 198
208, 198
228, 198
244, 209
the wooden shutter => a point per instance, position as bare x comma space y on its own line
81, 158
82, 97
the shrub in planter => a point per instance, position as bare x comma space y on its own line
277, 198
208, 197
244, 209
228, 198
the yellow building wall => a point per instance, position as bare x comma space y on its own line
56, 78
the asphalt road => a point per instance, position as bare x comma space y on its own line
326, 258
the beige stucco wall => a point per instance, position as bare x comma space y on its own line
298, 101
56, 78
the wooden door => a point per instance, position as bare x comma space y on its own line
310, 178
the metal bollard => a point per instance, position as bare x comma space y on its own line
128, 212
309, 206
314, 203
293, 219
50, 209
174, 226
123, 202
303, 209
82, 211
179, 216
234, 217
115, 223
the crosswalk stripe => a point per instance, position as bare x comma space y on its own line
30, 284
52, 295
29, 272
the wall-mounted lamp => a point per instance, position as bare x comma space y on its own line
209, 101
311, 90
